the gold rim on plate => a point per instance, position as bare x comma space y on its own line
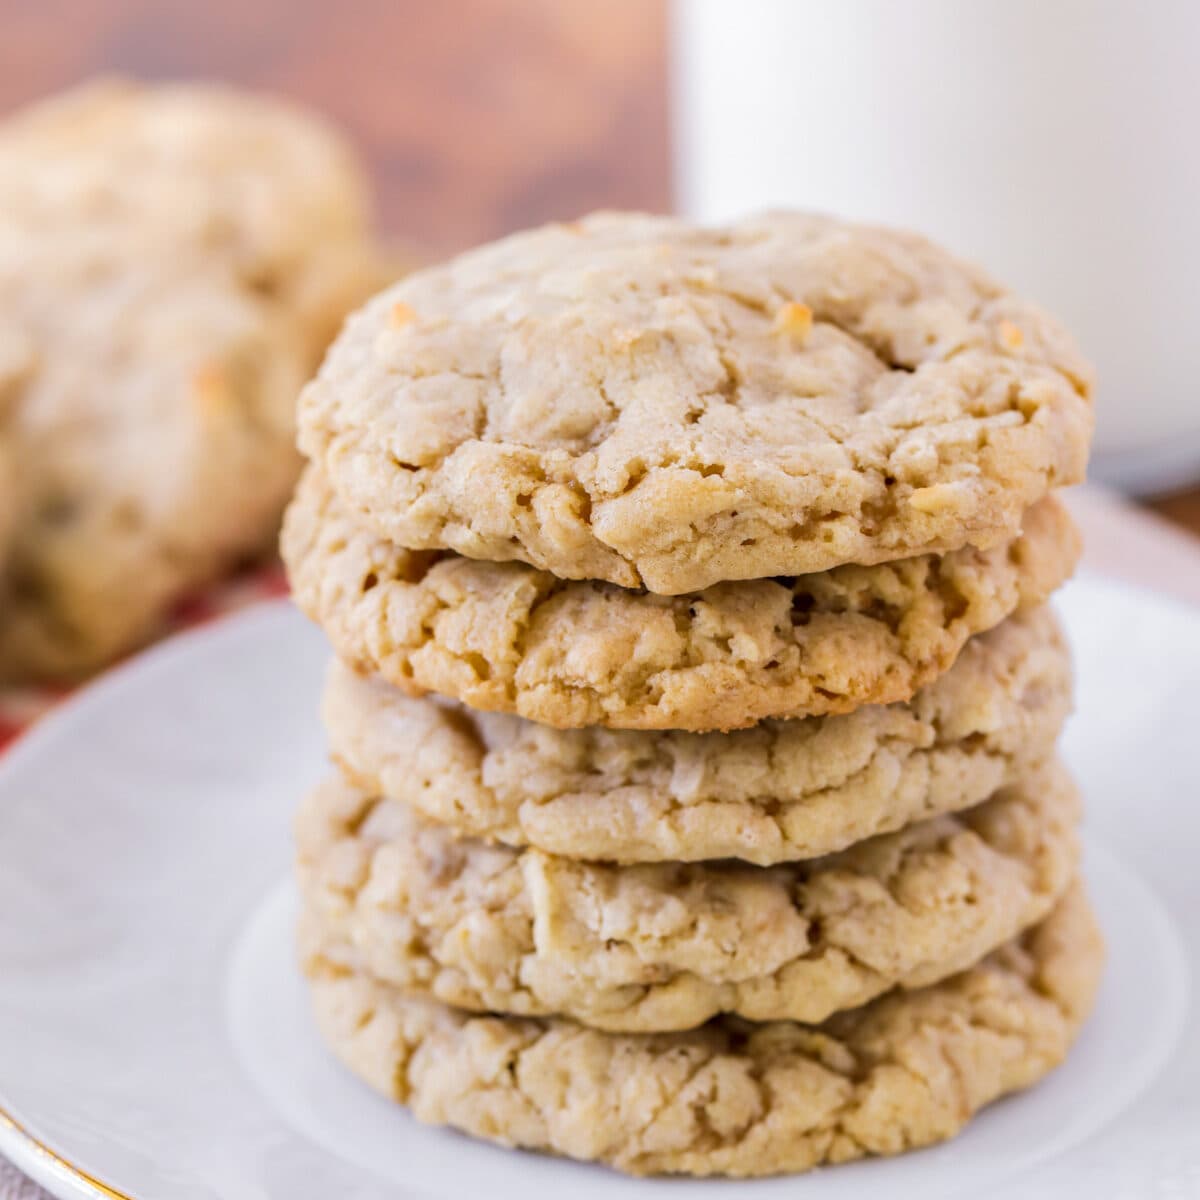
7, 1121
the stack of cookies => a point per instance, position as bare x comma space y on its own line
696, 701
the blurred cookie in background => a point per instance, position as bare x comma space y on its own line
12, 353
173, 262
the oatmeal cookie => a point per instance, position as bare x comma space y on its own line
506, 637
778, 791
730, 1098
664, 947
644, 401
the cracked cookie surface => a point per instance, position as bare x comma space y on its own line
643, 401
663, 947
173, 262
507, 637
779, 791
730, 1098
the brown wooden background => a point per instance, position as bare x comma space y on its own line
477, 116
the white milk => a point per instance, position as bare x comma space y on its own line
1054, 141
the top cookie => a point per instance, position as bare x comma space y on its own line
635, 399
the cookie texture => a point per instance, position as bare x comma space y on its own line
779, 791
730, 1098
639, 400
507, 637
173, 263
667, 946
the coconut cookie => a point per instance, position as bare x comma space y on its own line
269, 190
667, 946
173, 262
640, 400
507, 637
779, 791
730, 1098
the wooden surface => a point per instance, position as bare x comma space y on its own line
478, 116
1181, 508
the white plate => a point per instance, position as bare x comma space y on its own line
155, 1043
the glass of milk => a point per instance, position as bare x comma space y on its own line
1053, 141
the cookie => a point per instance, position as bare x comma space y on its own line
173, 262
268, 190
730, 1098
663, 947
779, 791
506, 637
643, 401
